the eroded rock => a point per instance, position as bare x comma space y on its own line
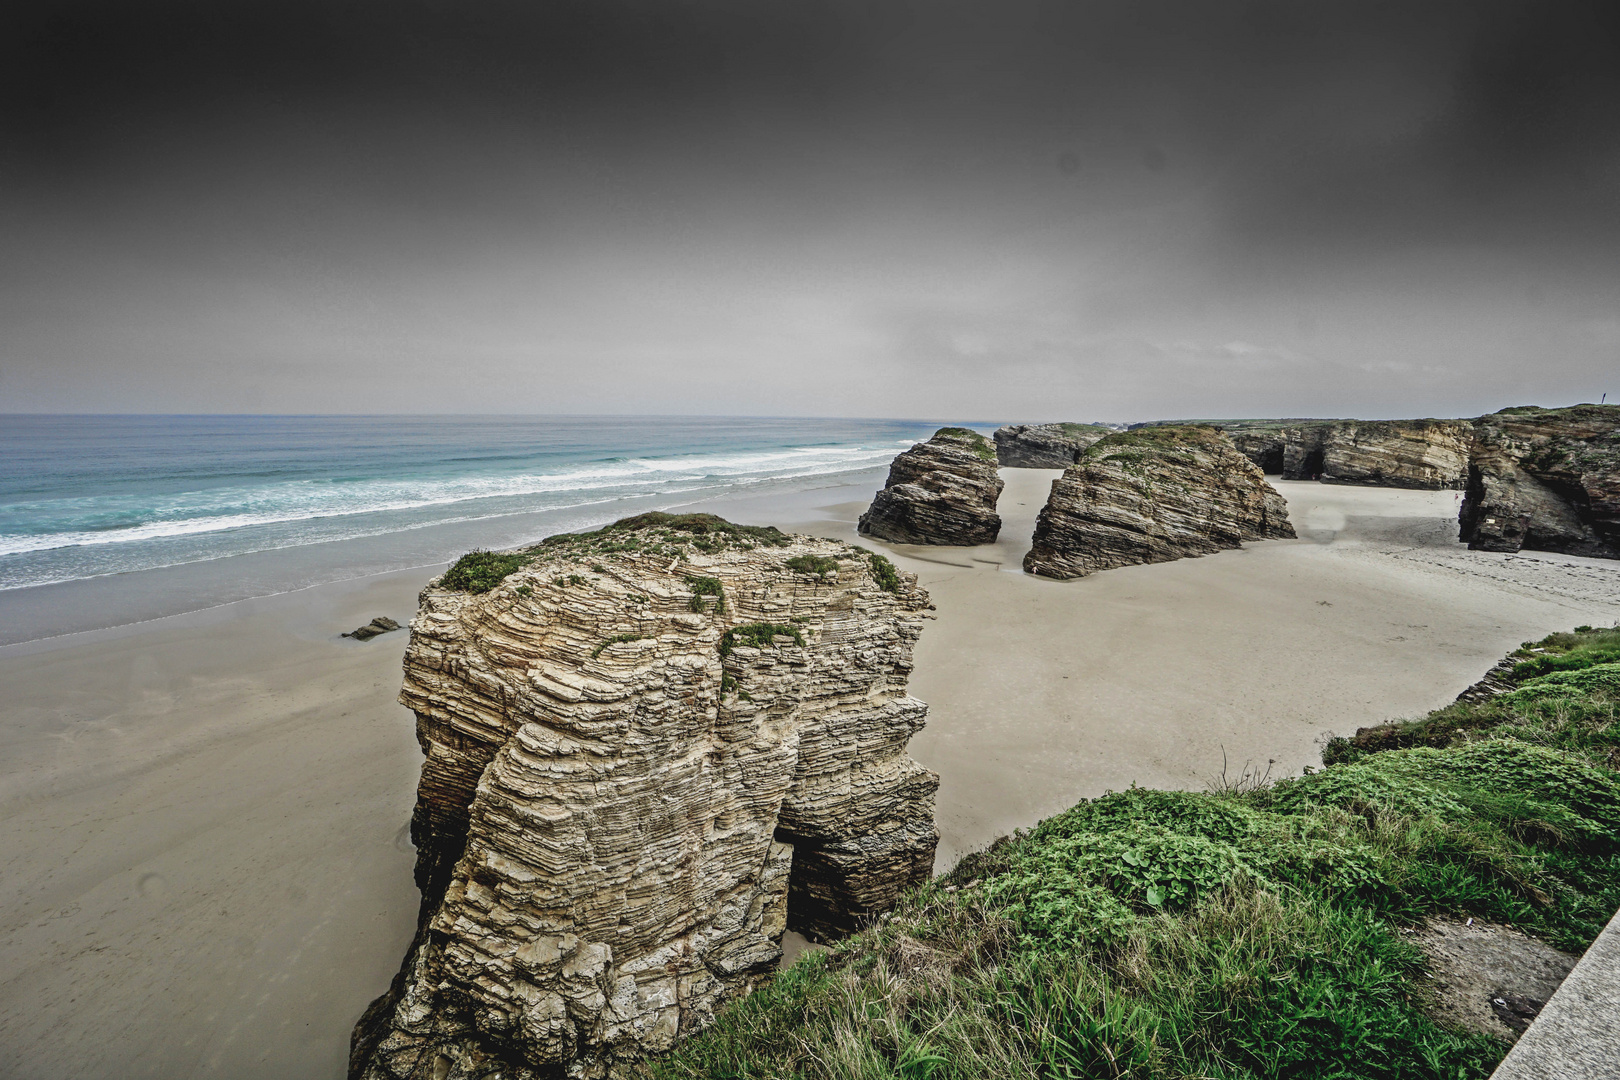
1426, 454
1152, 495
1545, 479
382, 624
647, 752
1044, 446
943, 491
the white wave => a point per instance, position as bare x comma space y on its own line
225, 509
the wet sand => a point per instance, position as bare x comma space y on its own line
206, 872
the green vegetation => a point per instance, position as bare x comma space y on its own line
757, 635
1254, 930
1153, 439
616, 639
815, 565
1565, 698
975, 442
480, 571
664, 535
883, 571
706, 586
1083, 430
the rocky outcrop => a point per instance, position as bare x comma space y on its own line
382, 624
1427, 454
943, 491
1545, 479
1152, 495
1044, 446
649, 750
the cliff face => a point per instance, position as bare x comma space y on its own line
1545, 479
943, 491
1429, 454
647, 752
1152, 495
1044, 446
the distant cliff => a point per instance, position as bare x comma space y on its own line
1428, 454
1044, 446
1547, 479
649, 750
1152, 495
943, 491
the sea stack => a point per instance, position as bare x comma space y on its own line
649, 750
1044, 446
1545, 479
943, 491
1153, 495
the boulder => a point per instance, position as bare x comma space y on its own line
943, 491
1044, 446
1151, 495
1545, 479
648, 751
382, 624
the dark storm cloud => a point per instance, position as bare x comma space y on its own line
1253, 199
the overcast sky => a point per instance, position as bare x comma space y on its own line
1061, 210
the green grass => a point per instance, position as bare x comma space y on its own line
701, 587
815, 565
884, 573
970, 439
480, 571
659, 533
758, 636
1251, 931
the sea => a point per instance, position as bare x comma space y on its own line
206, 509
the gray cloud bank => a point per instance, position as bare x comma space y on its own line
1053, 210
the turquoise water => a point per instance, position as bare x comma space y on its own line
89, 496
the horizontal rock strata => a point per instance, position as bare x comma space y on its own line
1152, 495
648, 751
943, 492
1426, 454
1044, 446
1545, 479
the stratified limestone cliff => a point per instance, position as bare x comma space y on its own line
1545, 479
1044, 446
1152, 495
648, 751
943, 491
1427, 454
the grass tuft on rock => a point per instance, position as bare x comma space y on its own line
814, 565
758, 636
480, 571
969, 439
1252, 931
884, 573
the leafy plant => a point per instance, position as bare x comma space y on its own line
479, 571
758, 636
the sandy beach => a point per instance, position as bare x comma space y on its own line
206, 865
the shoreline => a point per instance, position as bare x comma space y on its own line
209, 810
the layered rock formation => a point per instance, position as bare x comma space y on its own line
1427, 454
943, 491
1546, 479
1044, 446
1152, 495
648, 751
